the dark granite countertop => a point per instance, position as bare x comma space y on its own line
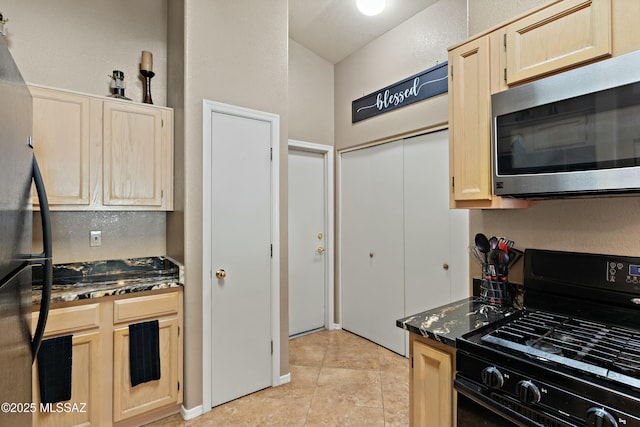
450, 321
96, 279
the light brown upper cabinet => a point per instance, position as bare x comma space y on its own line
561, 36
99, 153
470, 120
133, 155
470, 128
61, 143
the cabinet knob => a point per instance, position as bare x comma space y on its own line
221, 274
320, 250
370, 254
445, 266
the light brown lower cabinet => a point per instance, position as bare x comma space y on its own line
432, 400
101, 392
131, 401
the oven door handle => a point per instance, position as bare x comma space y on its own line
474, 392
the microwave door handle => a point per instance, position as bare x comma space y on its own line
45, 258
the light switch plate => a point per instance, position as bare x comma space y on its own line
96, 238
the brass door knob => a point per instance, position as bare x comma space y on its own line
221, 274
320, 250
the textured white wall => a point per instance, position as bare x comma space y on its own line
75, 45
311, 102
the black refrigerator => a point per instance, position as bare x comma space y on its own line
18, 169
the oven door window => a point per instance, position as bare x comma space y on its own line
599, 130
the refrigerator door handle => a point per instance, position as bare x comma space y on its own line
45, 258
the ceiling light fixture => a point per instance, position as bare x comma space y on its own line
370, 7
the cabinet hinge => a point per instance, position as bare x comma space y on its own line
178, 385
504, 39
453, 182
178, 330
505, 74
411, 362
161, 194
161, 123
271, 250
452, 72
272, 347
271, 154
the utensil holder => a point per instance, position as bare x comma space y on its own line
494, 285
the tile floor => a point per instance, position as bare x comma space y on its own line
337, 379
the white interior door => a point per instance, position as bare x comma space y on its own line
372, 243
241, 356
307, 236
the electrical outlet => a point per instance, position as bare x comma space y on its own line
96, 238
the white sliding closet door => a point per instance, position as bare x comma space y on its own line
403, 251
433, 256
372, 243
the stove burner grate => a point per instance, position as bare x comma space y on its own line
582, 344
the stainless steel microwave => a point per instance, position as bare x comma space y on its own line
574, 133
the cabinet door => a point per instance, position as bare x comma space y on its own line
133, 155
372, 244
61, 132
563, 35
83, 407
131, 401
431, 386
470, 121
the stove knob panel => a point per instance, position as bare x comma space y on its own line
492, 377
599, 417
528, 392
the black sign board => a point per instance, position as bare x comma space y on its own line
416, 88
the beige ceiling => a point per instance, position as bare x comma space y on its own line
334, 29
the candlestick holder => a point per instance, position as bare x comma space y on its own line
147, 83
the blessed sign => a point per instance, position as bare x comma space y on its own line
416, 88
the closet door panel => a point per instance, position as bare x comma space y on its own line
427, 226
372, 243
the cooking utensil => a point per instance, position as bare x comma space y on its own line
476, 254
482, 243
493, 242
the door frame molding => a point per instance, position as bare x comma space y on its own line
209, 107
328, 152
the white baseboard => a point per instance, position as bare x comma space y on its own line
189, 414
335, 327
284, 379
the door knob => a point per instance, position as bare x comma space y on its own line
320, 250
221, 274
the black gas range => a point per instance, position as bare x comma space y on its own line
571, 357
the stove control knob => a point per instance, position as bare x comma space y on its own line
601, 418
492, 377
528, 392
